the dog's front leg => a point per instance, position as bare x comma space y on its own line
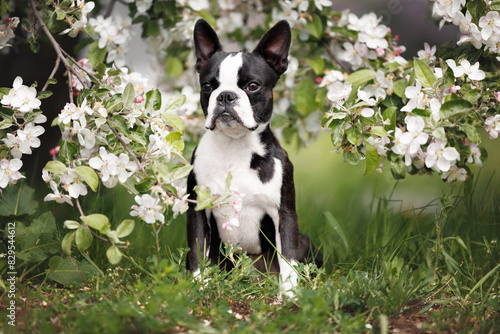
198, 231
287, 231
286, 243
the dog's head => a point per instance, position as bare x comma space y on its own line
236, 88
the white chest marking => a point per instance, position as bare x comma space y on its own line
216, 156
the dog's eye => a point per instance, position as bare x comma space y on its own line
207, 88
253, 86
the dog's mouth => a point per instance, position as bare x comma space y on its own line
225, 118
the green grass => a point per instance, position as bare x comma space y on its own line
414, 255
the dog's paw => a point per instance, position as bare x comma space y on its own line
198, 277
288, 291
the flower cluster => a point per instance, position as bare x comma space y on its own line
78, 21
7, 27
114, 36
418, 115
20, 116
481, 31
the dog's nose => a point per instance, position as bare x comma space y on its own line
226, 97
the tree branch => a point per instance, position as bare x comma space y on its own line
333, 56
128, 150
52, 74
55, 45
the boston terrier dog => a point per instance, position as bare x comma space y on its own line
237, 101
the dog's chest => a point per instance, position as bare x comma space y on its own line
216, 156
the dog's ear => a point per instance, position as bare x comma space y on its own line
206, 43
274, 46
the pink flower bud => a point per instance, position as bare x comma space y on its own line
319, 80
454, 89
55, 150
139, 99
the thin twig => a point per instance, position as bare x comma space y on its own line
55, 45
79, 208
128, 150
79, 66
52, 74
110, 8
333, 56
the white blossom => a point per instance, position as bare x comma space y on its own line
9, 172
148, 209
492, 126
57, 196
441, 157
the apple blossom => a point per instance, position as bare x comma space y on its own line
440, 157
492, 126
57, 196
148, 209
455, 173
9, 172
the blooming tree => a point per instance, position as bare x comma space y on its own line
346, 76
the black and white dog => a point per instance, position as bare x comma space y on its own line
237, 100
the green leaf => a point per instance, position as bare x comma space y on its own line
305, 97
18, 200
89, 176
315, 26
175, 67
471, 132
128, 96
372, 159
398, 169
175, 139
96, 55
67, 151
207, 16
153, 99
421, 112
390, 113
70, 271
125, 228
175, 103
6, 113
31, 116
152, 28
181, 172
44, 94
473, 96
60, 14
71, 224
379, 131
83, 238
67, 242
351, 156
36, 242
203, 197
360, 77
97, 221
476, 10
137, 137
5, 124
317, 64
174, 120
424, 73
114, 255
454, 107
352, 135
56, 167
119, 123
